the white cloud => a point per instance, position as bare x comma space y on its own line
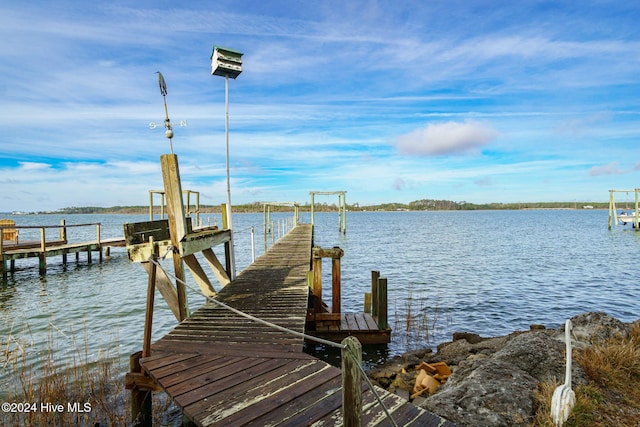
612, 168
446, 138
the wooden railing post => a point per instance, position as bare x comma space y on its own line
98, 241
63, 231
317, 279
374, 292
151, 290
351, 382
42, 255
336, 305
3, 263
382, 303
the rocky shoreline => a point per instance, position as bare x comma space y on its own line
494, 380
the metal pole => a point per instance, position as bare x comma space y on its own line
226, 133
232, 257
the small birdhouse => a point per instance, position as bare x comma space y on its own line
226, 62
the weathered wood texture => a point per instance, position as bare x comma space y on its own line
225, 370
338, 326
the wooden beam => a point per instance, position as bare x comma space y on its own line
166, 289
173, 191
177, 221
216, 266
200, 240
199, 275
334, 252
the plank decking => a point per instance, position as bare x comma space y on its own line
225, 370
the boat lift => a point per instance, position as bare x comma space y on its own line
626, 215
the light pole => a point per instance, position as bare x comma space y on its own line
228, 63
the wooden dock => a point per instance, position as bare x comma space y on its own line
14, 249
223, 369
238, 360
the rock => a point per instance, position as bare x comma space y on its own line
590, 328
456, 351
494, 379
536, 353
485, 392
469, 337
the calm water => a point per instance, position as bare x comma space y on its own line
487, 272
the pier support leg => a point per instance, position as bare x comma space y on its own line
141, 408
42, 263
351, 382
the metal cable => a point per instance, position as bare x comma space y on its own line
289, 331
249, 316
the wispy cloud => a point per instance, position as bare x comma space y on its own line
384, 99
446, 138
612, 168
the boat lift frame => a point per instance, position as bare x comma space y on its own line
614, 216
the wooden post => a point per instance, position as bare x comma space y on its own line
312, 208
99, 244
151, 290
367, 302
317, 280
141, 408
150, 205
63, 231
375, 274
611, 209
3, 262
382, 303
177, 222
336, 305
351, 382
42, 256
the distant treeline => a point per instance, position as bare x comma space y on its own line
416, 205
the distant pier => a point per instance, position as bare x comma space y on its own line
12, 248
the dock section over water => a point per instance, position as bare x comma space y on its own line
224, 369
238, 360
12, 248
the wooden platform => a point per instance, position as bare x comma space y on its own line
336, 327
222, 369
11, 251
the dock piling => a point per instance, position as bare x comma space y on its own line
375, 275
382, 303
351, 382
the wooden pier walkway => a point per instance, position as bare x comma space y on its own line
223, 369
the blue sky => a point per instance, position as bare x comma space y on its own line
478, 101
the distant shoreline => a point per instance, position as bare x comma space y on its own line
418, 205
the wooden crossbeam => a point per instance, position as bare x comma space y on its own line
199, 275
